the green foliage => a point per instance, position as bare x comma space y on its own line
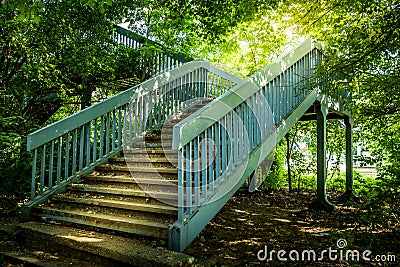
277, 176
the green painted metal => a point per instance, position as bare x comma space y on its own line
243, 102
321, 202
89, 137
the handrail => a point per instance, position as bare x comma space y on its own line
209, 114
74, 145
216, 139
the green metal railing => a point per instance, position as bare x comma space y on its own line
155, 60
222, 143
73, 146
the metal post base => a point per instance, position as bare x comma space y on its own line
322, 204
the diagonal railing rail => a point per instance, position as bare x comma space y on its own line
67, 149
221, 144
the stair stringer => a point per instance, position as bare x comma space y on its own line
181, 234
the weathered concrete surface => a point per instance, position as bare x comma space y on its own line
120, 250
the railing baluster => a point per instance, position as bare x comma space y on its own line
114, 127
217, 153
180, 186
230, 140
120, 110
87, 141
196, 170
204, 173
42, 169
108, 133
241, 131
224, 147
51, 158
81, 146
235, 137
125, 126
74, 150
95, 141
67, 148
59, 157
132, 119
33, 181
188, 177
210, 159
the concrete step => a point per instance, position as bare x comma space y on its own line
138, 159
155, 151
97, 249
105, 221
123, 192
129, 179
148, 184
142, 161
112, 168
147, 144
152, 208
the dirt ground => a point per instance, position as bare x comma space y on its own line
280, 220
252, 226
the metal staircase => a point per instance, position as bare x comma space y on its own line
161, 159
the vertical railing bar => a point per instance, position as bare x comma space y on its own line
266, 112
217, 153
114, 127
33, 181
150, 111
261, 123
101, 136
74, 150
131, 121
196, 171
125, 126
204, 174
255, 119
188, 177
248, 120
241, 131
108, 127
180, 185
223, 146
210, 159
120, 127
81, 147
235, 121
258, 117
67, 148
230, 140
133, 125
87, 140
94, 159
50, 184
42, 169
59, 157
